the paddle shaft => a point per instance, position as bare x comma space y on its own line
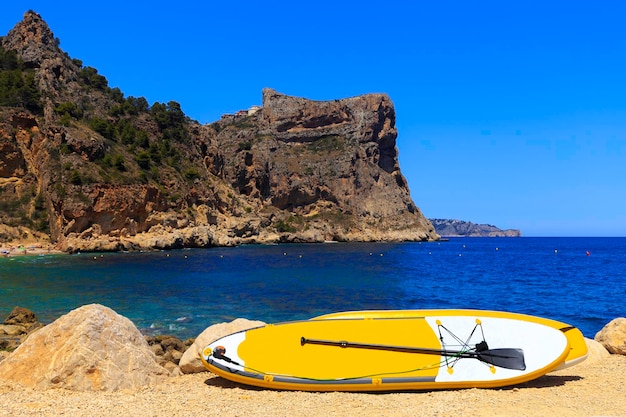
404, 349
505, 358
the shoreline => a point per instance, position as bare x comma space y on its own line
589, 323
32, 247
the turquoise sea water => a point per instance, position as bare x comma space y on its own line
581, 281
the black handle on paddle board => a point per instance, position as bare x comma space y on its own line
503, 358
219, 353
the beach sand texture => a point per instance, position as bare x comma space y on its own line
596, 387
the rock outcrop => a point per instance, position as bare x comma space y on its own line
613, 336
94, 170
91, 348
460, 228
190, 362
18, 325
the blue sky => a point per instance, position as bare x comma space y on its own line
508, 113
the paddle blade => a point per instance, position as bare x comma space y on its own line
504, 358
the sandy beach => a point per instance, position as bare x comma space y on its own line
595, 387
26, 249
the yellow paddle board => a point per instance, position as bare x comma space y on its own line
578, 347
387, 352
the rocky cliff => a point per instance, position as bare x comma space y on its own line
90, 169
450, 228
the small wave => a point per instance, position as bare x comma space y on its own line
175, 327
184, 319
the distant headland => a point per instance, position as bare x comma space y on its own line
457, 228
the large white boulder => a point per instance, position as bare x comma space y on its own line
190, 362
91, 348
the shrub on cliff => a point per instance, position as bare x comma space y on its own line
90, 77
17, 84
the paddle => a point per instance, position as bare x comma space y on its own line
503, 358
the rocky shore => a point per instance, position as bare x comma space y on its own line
114, 384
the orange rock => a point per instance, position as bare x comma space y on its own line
613, 336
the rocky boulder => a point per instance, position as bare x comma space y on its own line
190, 362
91, 348
596, 352
168, 350
613, 336
20, 323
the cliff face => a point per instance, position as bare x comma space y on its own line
95, 170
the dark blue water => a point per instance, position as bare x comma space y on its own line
183, 292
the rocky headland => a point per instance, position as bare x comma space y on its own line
461, 228
84, 168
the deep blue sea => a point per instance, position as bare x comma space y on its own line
581, 281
